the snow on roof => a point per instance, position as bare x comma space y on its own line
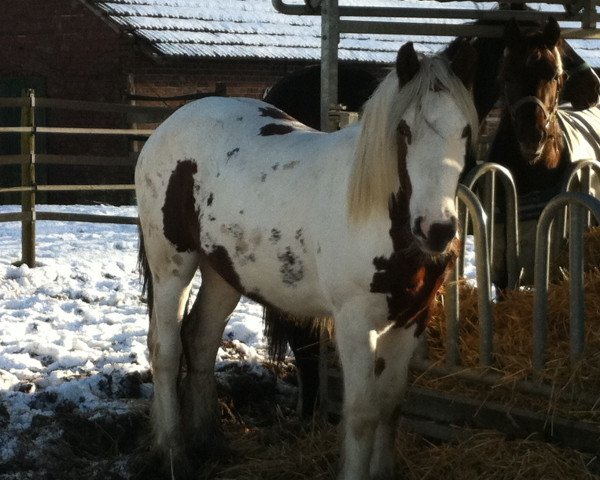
254, 29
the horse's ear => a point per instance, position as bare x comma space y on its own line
463, 61
512, 33
407, 63
551, 33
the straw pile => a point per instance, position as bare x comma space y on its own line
591, 250
295, 452
576, 388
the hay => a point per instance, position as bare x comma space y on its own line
297, 452
576, 387
591, 250
289, 450
490, 456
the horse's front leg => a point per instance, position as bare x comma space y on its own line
355, 337
395, 347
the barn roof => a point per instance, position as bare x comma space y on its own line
253, 29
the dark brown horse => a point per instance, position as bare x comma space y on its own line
531, 140
581, 88
537, 140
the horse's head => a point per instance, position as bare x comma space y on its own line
532, 77
434, 136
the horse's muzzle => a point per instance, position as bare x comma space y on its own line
531, 152
437, 237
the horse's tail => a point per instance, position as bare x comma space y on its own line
277, 330
146, 275
304, 337
282, 329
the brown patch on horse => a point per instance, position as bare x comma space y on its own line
273, 112
231, 153
409, 277
404, 140
221, 262
180, 218
276, 129
292, 267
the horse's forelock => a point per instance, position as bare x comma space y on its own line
532, 49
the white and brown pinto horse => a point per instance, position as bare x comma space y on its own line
359, 224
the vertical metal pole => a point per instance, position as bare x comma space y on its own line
330, 36
575, 200
586, 187
463, 222
452, 309
491, 206
540, 298
482, 262
512, 233
28, 180
576, 300
589, 14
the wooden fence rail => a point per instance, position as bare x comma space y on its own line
29, 129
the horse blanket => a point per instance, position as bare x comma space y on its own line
581, 130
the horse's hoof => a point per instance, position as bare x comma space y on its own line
387, 476
156, 464
199, 450
387, 472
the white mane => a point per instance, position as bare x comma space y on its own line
375, 174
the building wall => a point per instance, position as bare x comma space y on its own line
80, 55
242, 78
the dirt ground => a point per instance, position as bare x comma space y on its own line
270, 443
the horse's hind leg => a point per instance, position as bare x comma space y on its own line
305, 343
172, 273
303, 337
201, 335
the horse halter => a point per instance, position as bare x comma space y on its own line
548, 113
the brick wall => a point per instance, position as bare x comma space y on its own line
242, 78
80, 55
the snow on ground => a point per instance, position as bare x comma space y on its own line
73, 329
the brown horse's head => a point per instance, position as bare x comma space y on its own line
532, 77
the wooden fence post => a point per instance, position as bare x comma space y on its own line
28, 180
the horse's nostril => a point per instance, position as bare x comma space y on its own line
417, 228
